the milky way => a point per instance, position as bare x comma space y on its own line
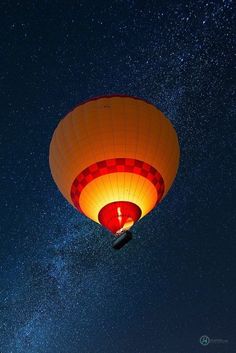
63, 289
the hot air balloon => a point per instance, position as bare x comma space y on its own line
114, 158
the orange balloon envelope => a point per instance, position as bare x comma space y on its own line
114, 158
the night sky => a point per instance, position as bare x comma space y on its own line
63, 289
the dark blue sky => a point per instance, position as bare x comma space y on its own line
63, 289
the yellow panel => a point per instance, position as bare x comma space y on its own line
117, 187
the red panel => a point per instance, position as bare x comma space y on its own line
116, 165
116, 215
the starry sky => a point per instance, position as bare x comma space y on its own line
63, 289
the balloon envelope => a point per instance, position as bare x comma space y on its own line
114, 158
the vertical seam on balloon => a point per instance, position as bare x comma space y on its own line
59, 153
85, 118
167, 138
130, 181
159, 136
114, 146
110, 185
173, 177
125, 143
103, 186
147, 151
137, 141
137, 112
